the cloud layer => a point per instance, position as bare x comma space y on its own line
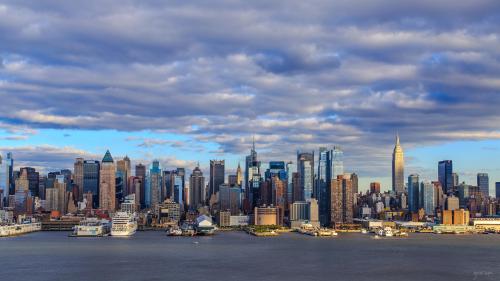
296, 75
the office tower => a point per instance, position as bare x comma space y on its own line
299, 213
107, 181
230, 199
337, 161
196, 185
140, 172
445, 172
124, 168
22, 183
42, 186
232, 180
375, 187
354, 179
413, 193
297, 194
439, 195
217, 176
167, 184
239, 176
253, 178
497, 190
4, 182
324, 179
454, 177
60, 185
134, 187
429, 202
33, 178
181, 173
153, 190
342, 202
483, 182
120, 186
291, 168
398, 166
276, 168
91, 170
78, 178
305, 168
51, 199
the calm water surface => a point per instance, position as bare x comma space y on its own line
238, 256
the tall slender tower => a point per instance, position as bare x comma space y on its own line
398, 166
78, 177
239, 176
196, 184
107, 188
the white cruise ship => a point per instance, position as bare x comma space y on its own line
92, 227
123, 224
18, 229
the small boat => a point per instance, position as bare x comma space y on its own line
174, 232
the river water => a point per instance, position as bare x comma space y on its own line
238, 256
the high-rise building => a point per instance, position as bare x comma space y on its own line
291, 168
78, 177
452, 203
107, 181
398, 165
354, 179
455, 180
253, 178
429, 202
196, 185
239, 176
153, 190
497, 190
91, 170
217, 176
230, 199
324, 179
33, 177
140, 172
124, 168
413, 193
445, 176
375, 187
342, 202
305, 168
4, 182
483, 182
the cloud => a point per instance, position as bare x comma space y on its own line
323, 73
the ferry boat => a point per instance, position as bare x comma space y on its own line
18, 229
92, 227
123, 224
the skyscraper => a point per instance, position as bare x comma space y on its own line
342, 202
78, 177
107, 181
239, 176
413, 193
253, 178
337, 161
497, 190
91, 170
217, 176
196, 184
429, 196
153, 190
140, 172
398, 165
124, 168
445, 176
305, 168
325, 171
483, 182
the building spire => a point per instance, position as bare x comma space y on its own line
397, 138
253, 142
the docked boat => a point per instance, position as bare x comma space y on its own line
18, 229
123, 224
388, 232
324, 232
174, 232
364, 231
92, 227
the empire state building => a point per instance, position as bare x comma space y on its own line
398, 167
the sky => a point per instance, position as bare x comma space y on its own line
189, 81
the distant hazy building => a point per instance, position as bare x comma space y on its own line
342, 202
217, 176
413, 193
305, 168
107, 184
455, 179
497, 190
445, 176
196, 185
398, 164
91, 170
483, 182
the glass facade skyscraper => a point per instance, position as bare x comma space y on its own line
483, 182
413, 193
91, 171
445, 176
429, 196
305, 168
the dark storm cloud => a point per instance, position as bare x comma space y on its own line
295, 74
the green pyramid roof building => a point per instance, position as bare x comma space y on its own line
107, 158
